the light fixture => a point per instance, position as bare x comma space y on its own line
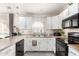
8, 7
70, 3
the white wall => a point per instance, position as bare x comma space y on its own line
28, 22
4, 25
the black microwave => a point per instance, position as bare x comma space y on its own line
71, 22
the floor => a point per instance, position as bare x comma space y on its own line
46, 53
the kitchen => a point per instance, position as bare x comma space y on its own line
47, 29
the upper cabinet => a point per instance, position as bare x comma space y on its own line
55, 22
73, 9
49, 23
72, 19
65, 14
25, 23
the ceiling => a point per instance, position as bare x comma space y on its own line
33, 8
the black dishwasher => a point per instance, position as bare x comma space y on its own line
61, 48
20, 48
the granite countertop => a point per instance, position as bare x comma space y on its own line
75, 47
6, 42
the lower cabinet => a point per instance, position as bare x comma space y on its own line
47, 44
41, 44
10, 51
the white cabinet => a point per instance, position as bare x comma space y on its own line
4, 24
72, 52
43, 44
49, 23
73, 9
10, 51
25, 22
64, 14
55, 22
28, 44
47, 44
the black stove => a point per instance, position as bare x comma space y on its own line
61, 47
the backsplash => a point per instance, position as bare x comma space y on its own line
70, 30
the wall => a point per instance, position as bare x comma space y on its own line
4, 24
33, 19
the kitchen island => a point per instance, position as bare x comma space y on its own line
42, 44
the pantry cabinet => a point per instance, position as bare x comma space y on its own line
9, 51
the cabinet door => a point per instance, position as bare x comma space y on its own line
55, 22
35, 47
60, 22
47, 44
25, 22
65, 14
49, 23
73, 9
51, 44
44, 44
27, 44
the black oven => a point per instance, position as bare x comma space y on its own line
73, 38
61, 48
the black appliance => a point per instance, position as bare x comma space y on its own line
71, 22
61, 48
20, 48
73, 37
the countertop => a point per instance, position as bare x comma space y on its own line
74, 47
6, 42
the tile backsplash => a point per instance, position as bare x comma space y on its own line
70, 30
